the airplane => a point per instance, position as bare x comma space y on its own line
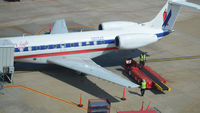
75, 50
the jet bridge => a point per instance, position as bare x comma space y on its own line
6, 60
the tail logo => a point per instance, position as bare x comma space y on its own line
166, 17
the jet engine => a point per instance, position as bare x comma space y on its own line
132, 41
116, 25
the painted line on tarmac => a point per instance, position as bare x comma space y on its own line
172, 59
22, 72
43, 29
45, 94
21, 29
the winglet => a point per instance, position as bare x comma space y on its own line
59, 27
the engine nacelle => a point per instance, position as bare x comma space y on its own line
116, 25
132, 41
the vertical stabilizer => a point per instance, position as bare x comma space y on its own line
166, 18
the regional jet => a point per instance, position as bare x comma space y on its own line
76, 49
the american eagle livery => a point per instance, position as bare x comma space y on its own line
75, 50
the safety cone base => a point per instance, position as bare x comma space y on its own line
80, 105
123, 98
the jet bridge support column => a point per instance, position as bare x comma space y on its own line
6, 60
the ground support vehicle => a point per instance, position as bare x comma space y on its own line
138, 73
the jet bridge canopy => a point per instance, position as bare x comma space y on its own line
6, 60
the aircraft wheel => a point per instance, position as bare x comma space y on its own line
80, 73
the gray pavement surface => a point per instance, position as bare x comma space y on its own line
30, 16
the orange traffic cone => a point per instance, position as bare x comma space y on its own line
148, 106
123, 98
80, 105
142, 105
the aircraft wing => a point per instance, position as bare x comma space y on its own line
59, 27
88, 66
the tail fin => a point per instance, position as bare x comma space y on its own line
167, 16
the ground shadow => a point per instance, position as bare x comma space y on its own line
135, 93
116, 58
156, 92
68, 76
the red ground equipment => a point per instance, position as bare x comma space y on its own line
99, 106
153, 79
150, 111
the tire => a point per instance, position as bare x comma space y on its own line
80, 73
130, 73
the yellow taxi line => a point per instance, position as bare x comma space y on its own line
171, 59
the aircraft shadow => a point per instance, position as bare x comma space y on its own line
116, 58
68, 76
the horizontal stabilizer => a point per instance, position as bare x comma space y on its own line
59, 27
184, 3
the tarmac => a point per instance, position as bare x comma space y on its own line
51, 88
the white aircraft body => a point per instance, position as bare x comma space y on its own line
75, 50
